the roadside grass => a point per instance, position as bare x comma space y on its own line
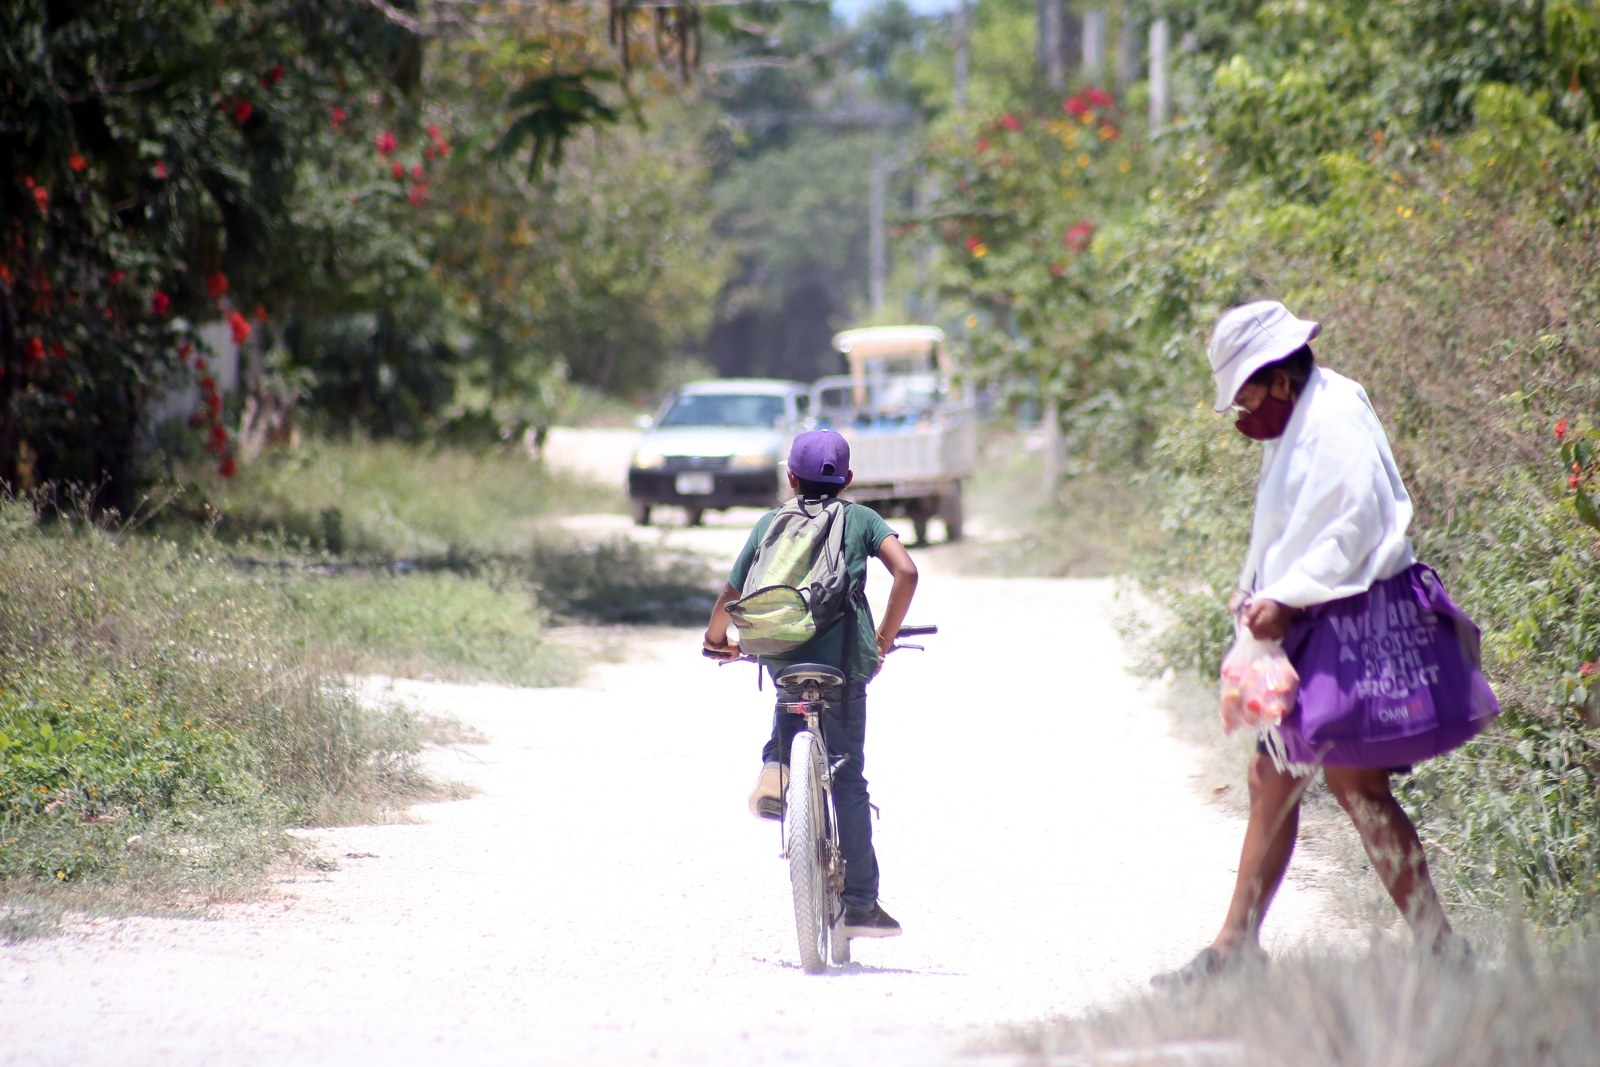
1533, 1004
1092, 528
386, 500
162, 722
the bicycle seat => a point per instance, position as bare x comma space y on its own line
799, 674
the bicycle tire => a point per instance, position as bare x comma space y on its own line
808, 876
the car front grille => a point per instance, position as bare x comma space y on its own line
696, 463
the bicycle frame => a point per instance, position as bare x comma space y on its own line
808, 823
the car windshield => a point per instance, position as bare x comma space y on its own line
754, 410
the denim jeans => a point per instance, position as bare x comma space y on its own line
844, 731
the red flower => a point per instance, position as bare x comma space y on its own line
160, 303
1561, 428
1074, 106
160, 170
58, 351
337, 117
1589, 670
398, 170
1011, 122
228, 468
41, 196
259, 314
69, 396
974, 243
239, 326
982, 145
1078, 236
184, 348
386, 143
35, 350
200, 363
219, 436
116, 277
217, 285
208, 386
1058, 269
272, 77
77, 162
419, 194
416, 172
214, 406
1098, 98
241, 111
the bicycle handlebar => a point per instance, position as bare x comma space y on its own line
905, 631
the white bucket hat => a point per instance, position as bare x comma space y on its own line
1249, 337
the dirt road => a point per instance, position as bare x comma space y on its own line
606, 899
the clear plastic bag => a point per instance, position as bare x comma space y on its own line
1259, 684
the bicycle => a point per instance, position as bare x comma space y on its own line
808, 824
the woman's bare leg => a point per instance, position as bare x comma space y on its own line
1268, 844
1392, 844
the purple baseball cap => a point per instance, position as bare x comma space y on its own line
820, 456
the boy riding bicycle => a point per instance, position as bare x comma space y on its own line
819, 468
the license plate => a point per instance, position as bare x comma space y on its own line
697, 484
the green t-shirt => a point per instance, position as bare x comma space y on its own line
864, 531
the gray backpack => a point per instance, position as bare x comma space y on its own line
798, 581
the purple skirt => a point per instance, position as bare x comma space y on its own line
1388, 677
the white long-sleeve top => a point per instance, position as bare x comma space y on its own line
1331, 511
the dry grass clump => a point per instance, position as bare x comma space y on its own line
1532, 1004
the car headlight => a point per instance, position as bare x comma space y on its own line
753, 461
649, 460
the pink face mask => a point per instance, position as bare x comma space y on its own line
1267, 421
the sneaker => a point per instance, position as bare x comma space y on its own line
766, 799
869, 922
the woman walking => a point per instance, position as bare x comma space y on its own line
1388, 665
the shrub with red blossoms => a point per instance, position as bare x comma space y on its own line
1078, 236
239, 326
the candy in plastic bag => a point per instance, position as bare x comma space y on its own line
1259, 684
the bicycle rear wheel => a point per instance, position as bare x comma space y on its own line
807, 847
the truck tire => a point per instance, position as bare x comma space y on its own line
952, 512
639, 510
695, 516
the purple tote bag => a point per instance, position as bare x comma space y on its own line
1388, 677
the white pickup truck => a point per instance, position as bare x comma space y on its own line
913, 437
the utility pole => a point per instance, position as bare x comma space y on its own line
963, 53
1160, 45
878, 256
1095, 23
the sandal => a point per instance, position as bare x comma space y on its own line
1209, 963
